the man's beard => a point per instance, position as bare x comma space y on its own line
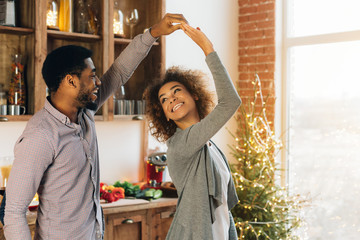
84, 100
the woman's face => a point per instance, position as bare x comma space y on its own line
178, 104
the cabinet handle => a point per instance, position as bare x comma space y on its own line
127, 221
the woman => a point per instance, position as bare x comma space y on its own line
178, 110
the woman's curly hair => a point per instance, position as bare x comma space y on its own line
194, 81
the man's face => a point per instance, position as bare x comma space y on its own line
89, 85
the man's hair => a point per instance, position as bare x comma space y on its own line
195, 83
62, 61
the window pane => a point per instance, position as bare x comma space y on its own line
324, 137
312, 17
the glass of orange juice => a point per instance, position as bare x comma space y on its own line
5, 168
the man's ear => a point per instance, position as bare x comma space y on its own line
70, 81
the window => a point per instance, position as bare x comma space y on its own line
321, 58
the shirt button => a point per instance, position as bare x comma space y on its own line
89, 158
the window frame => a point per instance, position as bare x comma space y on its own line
282, 77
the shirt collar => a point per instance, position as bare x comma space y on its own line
56, 113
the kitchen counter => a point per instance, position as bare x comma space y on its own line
120, 207
136, 204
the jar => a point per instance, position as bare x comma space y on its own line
80, 17
93, 21
66, 15
52, 15
17, 89
118, 24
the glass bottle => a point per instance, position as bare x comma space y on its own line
66, 15
118, 24
52, 15
93, 21
17, 89
80, 17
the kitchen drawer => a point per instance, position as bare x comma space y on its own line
126, 226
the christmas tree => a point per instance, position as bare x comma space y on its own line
265, 209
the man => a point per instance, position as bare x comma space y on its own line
57, 154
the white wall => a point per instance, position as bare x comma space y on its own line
119, 141
119, 147
218, 19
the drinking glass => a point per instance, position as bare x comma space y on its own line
132, 18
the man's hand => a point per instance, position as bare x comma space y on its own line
167, 25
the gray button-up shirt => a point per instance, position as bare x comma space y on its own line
59, 159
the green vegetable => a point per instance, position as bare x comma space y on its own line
150, 192
130, 189
158, 194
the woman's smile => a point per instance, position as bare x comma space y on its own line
177, 106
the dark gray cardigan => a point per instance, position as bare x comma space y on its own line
192, 170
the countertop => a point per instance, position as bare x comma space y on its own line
122, 205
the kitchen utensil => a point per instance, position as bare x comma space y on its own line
3, 109
7, 13
119, 107
15, 110
155, 167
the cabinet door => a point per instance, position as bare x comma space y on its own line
126, 226
161, 221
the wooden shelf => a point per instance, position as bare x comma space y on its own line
73, 36
122, 117
129, 117
16, 117
122, 40
35, 40
16, 30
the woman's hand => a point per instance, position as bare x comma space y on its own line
199, 38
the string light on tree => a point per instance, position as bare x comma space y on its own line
265, 210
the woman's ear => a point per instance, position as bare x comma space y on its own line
195, 97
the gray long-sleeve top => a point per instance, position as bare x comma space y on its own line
192, 170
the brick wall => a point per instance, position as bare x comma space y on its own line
257, 50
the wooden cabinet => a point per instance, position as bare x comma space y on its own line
33, 40
161, 221
149, 221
